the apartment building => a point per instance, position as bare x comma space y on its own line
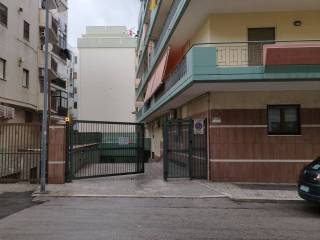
242, 75
59, 60
22, 25
106, 67
19, 39
73, 83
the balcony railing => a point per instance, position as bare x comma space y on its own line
164, 35
59, 105
142, 15
62, 53
244, 54
54, 65
232, 58
144, 42
168, 22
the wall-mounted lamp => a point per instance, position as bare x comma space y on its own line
297, 23
20, 10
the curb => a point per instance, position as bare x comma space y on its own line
39, 196
265, 200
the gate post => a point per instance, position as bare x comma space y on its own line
67, 154
56, 155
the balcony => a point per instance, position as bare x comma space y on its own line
53, 25
176, 11
237, 66
143, 43
59, 104
53, 66
62, 53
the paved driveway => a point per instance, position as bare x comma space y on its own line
149, 184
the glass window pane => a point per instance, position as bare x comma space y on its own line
274, 120
290, 120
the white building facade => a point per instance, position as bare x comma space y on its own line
22, 24
106, 72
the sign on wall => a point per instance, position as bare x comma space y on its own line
123, 140
198, 126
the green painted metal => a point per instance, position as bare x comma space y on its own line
185, 153
98, 149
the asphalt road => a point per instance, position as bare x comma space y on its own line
153, 219
11, 203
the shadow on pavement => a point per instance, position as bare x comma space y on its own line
11, 203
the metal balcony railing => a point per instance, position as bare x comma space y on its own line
167, 28
59, 105
244, 54
167, 24
228, 54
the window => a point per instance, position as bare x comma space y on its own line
76, 60
75, 105
26, 31
2, 69
284, 120
25, 79
3, 15
28, 117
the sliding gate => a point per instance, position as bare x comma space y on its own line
99, 149
185, 149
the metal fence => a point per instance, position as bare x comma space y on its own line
185, 153
97, 149
19, 152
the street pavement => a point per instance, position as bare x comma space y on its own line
162, 218
11, 203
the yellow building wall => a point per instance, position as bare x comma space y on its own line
234, 26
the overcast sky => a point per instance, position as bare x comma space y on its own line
84, 13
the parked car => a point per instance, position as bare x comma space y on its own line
309, 183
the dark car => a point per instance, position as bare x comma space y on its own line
309, 183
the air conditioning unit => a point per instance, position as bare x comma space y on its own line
10, 113
2, 111
7, 112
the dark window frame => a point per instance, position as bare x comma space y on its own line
26, 30
282, 107
3, 78
3, 17
26, 82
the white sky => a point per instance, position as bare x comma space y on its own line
84, 13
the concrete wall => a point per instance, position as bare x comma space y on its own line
14, 47
155, 132
107, 74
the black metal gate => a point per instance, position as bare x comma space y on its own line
185, 151
19, 152
99, 149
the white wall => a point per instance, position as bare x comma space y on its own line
106, 89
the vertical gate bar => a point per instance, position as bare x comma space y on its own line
190, 145
165, 151
142, 148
